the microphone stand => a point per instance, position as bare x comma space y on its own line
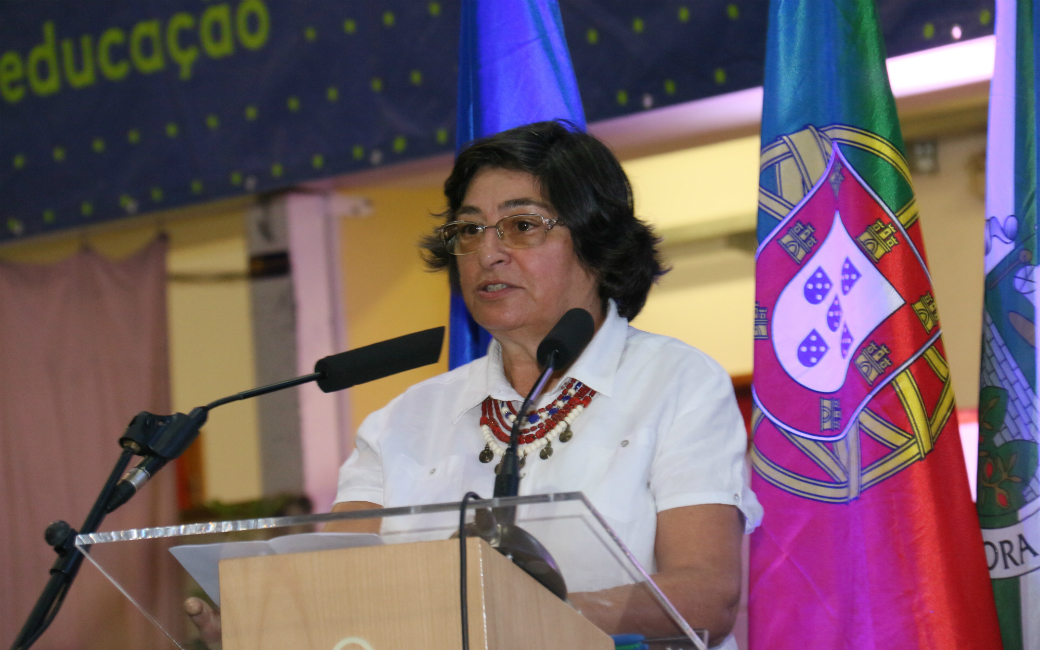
498, 526
507, 483
62, 538
177, 434
147, 435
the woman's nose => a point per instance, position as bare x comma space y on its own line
492, 248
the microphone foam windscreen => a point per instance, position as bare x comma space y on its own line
380, 360
567, 338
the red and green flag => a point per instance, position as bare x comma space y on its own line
1008, 481
870, 538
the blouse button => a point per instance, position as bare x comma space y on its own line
624, 443
433, 471
736, 497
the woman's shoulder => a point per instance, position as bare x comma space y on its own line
667, 352
432, 400
440, 387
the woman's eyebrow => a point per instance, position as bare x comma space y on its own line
523, 202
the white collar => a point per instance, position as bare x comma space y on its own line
596, 367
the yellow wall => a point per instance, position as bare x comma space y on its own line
716, 181
211, 349
707, 299
387, 292
952, 223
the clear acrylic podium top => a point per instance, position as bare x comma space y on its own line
590, 557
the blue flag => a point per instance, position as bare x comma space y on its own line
514, 69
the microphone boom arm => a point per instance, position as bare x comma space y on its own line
175, 435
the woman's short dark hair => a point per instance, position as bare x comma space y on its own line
585, 184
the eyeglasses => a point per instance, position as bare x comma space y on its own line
515, 231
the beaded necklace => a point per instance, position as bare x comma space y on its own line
543, 426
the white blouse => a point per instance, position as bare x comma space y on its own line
662, 432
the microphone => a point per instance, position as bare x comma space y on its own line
567, 339
379, 360
561, 346
162, 439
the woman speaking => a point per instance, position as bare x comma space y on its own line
540, 220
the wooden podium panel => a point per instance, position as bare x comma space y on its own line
395, 597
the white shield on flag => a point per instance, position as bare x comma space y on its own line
827, 310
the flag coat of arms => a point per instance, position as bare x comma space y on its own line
1008, 479
869, 538
514, 69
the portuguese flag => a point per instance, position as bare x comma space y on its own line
870, 538
1008, 482
514, 69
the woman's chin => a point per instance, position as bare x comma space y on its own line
496, 309
502, 322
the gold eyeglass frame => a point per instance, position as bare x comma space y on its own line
547, 222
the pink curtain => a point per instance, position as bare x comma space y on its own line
83, 348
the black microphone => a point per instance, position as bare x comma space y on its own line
566, 339
561, 346
379, 360
335, 372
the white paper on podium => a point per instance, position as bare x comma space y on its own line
202, 561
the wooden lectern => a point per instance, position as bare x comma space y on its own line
395, 597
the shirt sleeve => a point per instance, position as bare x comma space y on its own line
701, 455
361, 477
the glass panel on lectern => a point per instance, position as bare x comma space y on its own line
590, 558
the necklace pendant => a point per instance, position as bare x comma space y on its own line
498, 417
487, 455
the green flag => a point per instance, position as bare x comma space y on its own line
1008, 484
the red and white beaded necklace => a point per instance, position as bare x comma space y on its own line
543, 426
